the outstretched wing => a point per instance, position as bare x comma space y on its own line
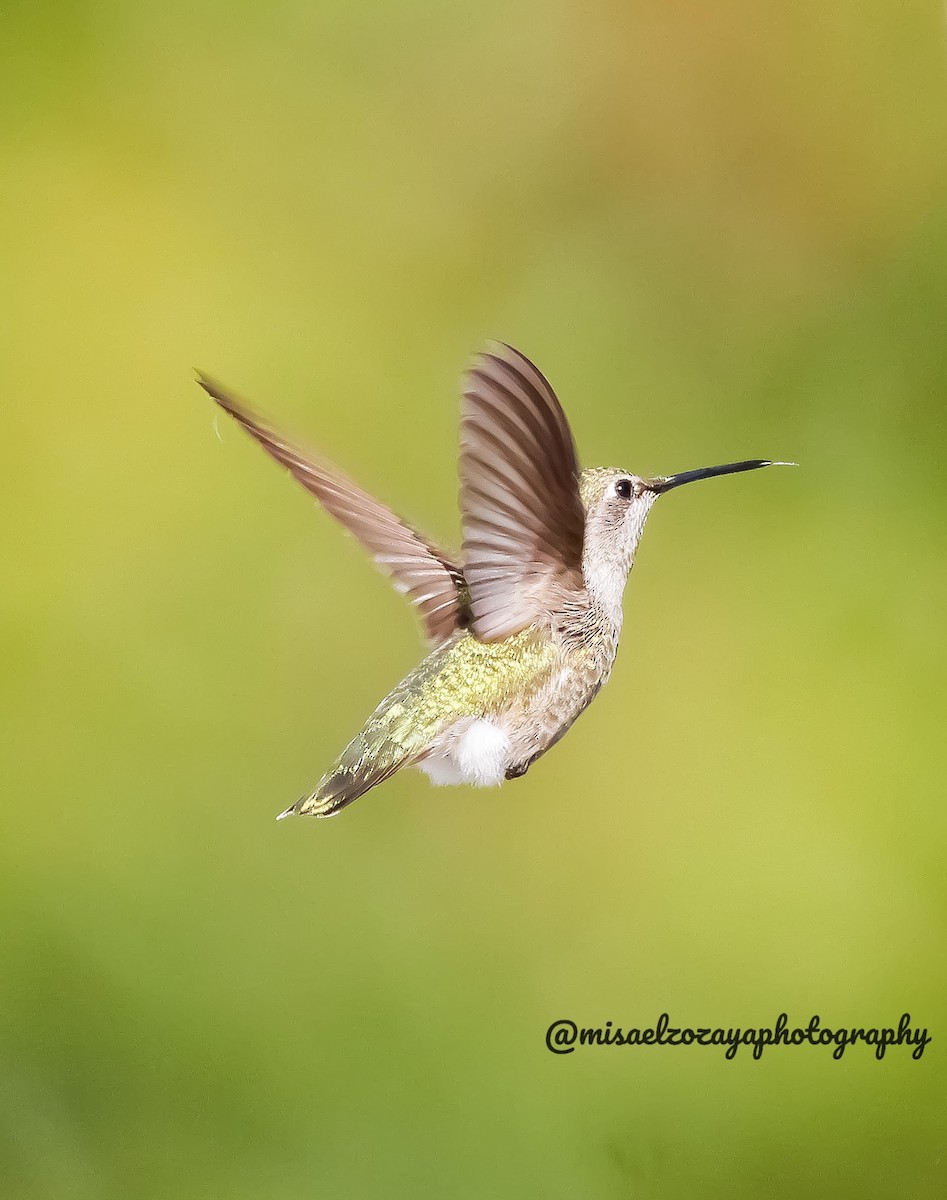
523, 519
422, 572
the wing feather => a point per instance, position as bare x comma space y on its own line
523, 519
422, 572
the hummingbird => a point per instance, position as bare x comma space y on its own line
524, 623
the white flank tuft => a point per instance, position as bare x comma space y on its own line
482, 754
479, 756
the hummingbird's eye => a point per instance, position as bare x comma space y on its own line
624, 488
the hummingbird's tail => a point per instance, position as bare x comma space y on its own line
352, 776
392, 738
331, 796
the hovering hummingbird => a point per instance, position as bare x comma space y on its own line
524, 624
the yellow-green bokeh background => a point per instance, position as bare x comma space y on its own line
721, 232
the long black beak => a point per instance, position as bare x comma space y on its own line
664, 483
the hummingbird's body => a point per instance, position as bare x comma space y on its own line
525, 632
478, 712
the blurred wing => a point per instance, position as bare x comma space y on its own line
523, 518
419, 570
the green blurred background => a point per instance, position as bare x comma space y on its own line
721, 234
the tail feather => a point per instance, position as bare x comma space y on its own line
392, 738
339, 788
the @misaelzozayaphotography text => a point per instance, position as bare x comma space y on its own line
564, 1036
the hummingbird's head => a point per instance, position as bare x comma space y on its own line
617, 504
